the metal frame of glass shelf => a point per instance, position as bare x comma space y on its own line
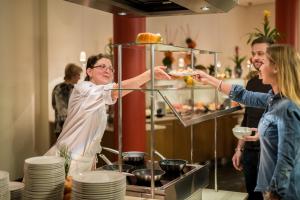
186, 122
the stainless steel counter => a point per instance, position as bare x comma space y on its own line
187, 185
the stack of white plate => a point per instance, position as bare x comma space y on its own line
105, 185
16, 190
4, 190
44, 178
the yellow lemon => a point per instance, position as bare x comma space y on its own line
189, 81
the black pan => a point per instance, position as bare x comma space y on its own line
133, 157
130, 157
114, 167
171, 165
145, 174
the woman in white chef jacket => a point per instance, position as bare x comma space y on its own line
86, 119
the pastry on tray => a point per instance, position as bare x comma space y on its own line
148, 38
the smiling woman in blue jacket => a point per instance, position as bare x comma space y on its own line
279, 127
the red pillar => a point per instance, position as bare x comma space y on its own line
134, 63
286, 20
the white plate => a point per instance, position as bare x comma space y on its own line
99, 177
43, 166
99, 190
116, 195
15, 186
45, 160
182, 73
47, 173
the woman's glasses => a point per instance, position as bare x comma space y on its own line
104, 67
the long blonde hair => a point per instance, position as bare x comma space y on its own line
287, 63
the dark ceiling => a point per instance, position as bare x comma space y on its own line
158, 7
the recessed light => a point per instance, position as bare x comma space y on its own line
122, 13
205, 8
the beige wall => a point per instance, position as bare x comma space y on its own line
22, 112
37, 39
217, 32
71, 29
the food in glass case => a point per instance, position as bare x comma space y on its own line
214, 107
234, 104
200, 107
189, 80
148, 38
182, 108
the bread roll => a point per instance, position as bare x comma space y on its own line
148, 38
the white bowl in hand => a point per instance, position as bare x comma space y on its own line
240, 132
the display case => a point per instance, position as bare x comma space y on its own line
191, 113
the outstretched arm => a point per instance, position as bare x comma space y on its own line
138, 81
219, 84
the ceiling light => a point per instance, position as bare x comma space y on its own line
122, 13
82, 57
205, 8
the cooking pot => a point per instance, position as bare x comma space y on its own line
145, 174
130, 157
171, 165
115, 167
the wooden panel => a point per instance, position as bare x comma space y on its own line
164, 139
203, 139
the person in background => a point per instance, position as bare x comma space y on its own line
87, 118
61, 94
279, 127
246, 155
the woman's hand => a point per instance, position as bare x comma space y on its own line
207, 79
160, 74
138, 81
236, 160
252, 138
201, 77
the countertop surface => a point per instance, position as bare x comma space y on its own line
148, 127
136, 198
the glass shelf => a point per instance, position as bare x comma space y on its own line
192, 116
166, 87
164, 47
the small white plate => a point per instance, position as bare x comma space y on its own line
182, 73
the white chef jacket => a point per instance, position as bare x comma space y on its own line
85, 124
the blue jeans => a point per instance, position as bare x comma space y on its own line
250, 168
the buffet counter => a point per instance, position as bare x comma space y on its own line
172, 139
